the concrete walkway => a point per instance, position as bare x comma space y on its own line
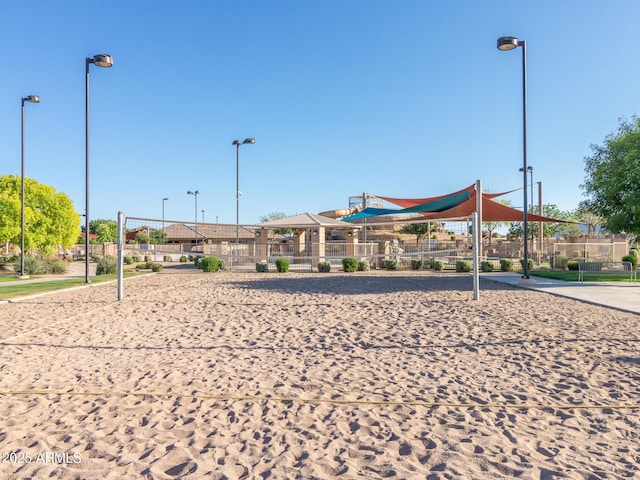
75, 270
620, 295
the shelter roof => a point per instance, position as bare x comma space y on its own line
305, 220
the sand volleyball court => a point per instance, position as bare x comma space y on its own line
280, 376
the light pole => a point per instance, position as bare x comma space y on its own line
202, 215
30, 99
237, 143
195, 194
163, 200
104, 61
530, 170
509, 43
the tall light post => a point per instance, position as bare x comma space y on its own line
530, 170
163, 232
509, 43
104, 61
195, 194
202, 215
540, 224
237, 143
30, 99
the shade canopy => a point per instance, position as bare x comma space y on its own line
452, 206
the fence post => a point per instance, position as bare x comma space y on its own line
120, 255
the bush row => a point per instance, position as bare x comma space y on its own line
41, 265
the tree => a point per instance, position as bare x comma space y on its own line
550, 229
584, 214
50, 218
105, 230
152, 236
417, 229
612, 178
276, 216
492, 226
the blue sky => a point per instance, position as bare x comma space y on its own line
395, 98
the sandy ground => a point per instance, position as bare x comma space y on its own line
282, 376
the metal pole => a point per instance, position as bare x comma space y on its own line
540, 224
195, 194
120, 255
22, 275
163, 230
533, 245
475, 226
522, 43
237, 196
86, 179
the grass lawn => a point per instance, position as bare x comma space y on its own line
572, 276
15, 291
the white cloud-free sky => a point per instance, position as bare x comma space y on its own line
406, 98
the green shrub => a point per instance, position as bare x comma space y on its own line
324, 267
438, 265
147, 258
156, 267
486, 266
128, 260
197, 261
183, 259
282, 265
572, 265
9, 259
167, 258
559, 262
58, 267
191, 258
106, 265
221, 264
136, 258
506, 265
364, 266
416, 264
350, 264
34, 265
209, 264
262, 266
390, 264
144, 266
631, 258
529, 263
463, 266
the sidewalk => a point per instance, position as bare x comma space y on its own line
620, 295
76, 270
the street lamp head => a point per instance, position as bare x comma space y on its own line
102, 60
31, 99
508, 43
249, 140
189, 192
236, 142
165, 198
